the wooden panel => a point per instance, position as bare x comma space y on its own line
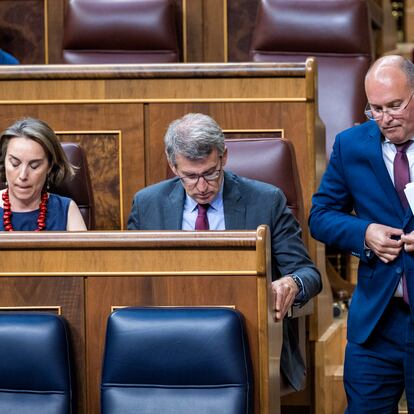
55, 23
215, 30
103, 152
329, 352
193, 31
145, 268
66, 292
241, 20
103, 293
22, 29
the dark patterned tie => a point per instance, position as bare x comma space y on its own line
202, 219
401, 178
402, 171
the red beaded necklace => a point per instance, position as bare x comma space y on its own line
41, 220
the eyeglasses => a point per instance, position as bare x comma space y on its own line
191, 180
395, 111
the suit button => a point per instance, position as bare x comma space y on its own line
398, 270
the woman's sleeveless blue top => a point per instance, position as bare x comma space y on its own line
56, 219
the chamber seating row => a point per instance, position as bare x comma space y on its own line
156, 359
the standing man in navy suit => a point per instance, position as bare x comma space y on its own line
358, 208
196, 153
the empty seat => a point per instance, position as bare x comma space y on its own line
34, 364
122, 31
176, 360
338, 33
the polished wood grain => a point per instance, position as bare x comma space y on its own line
105, 172
329, 361
89, 273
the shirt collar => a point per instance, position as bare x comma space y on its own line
387, 141
216, 204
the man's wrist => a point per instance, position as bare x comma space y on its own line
298, 282
369, 254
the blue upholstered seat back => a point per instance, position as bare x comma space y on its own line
176, 360
34, 364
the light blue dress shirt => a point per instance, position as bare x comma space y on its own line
215, 213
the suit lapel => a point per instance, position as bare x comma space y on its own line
373, 151
173, 210
234, 207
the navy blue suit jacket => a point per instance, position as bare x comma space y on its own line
247, 204
356, 190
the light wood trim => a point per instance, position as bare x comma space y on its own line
46, 29
160, 100
255, 131
154, 71
58, 309
123, 239
225, 33
115, 307
184, 29
130, 274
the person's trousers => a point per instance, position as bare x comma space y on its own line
377, 372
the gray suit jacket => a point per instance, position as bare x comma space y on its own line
247, 204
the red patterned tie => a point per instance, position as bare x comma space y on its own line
401, 178
202, 219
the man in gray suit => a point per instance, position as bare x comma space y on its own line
204, 196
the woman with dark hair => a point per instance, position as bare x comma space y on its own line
31, 159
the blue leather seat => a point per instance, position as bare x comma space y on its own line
176, 360
34, 364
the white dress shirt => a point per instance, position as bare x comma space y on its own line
388, 153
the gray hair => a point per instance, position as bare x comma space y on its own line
408, 68
194, 136
40, 132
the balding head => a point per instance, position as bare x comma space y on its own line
389, 85
384, 69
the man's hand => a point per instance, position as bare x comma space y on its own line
408, 240
384, 241
284, 293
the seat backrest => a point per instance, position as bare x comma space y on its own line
79, 188
34, 364
339, 34
121, 31
271, 160
184, 360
